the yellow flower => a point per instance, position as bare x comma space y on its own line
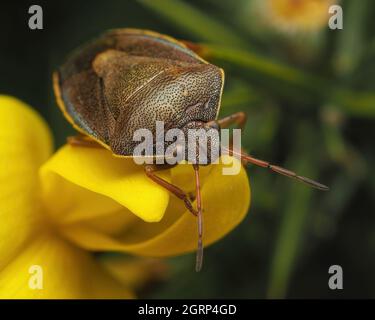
295, 15
55, 211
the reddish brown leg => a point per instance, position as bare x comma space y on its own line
150, 172
197, 48
199, 257
238, 118
83, 141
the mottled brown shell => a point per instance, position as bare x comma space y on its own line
128, 79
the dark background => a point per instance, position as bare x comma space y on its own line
292, 234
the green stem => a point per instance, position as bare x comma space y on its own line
291, 231
290, 81
194, 21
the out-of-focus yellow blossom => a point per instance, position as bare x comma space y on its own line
292, 16
55, 210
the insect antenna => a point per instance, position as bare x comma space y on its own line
285, 172
199, 257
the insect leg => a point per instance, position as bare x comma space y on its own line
150, 172
83, 141
199, 49
199, 258
238, 118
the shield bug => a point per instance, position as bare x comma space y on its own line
128, 79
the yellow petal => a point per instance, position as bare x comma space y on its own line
51, 268
25, 143
225, 198
98, 171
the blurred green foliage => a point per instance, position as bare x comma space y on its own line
311, 107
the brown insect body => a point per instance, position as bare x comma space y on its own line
128, 79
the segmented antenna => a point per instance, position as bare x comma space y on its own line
199, 257
285, 172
